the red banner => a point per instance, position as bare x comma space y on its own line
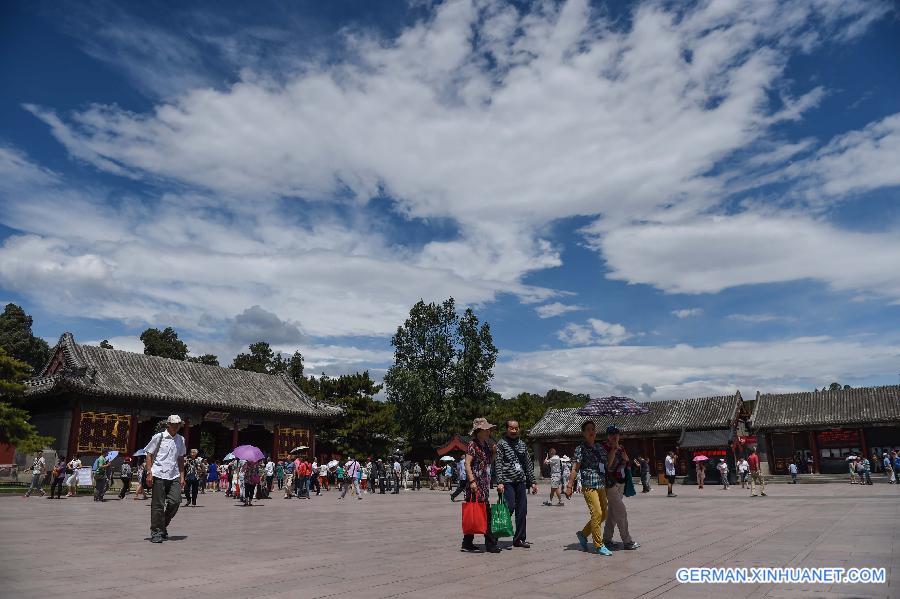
838, 438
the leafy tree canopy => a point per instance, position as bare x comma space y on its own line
164, 344
18, 340
208, 359
105, 344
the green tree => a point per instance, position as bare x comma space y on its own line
261, 358
15, 426
420, 382
208, 359
476, 355
367, 427
834, 387
441, 374
164, 344
18, 340
105, 344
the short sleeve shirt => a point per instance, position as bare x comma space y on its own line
555, 467
591, 465
670, 466
166, 450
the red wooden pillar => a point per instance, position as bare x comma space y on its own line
132, 434
234, 434
74, 430
312, 440
815, 451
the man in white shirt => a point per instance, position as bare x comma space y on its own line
38, 470
314, 477
722, 466
743, 468
351, 469
670, 472
270, 473
397, 469
165, 477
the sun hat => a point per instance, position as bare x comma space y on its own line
481, 424
173, 419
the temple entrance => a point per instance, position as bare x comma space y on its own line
212, 439
257, 435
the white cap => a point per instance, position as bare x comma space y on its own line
173, 419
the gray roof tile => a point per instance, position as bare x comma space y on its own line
113, 373
664, 416
861, 405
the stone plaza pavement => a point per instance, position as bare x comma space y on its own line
408, 546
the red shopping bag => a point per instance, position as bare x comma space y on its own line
474, 517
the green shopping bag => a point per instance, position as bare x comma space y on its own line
629, 484
501, 521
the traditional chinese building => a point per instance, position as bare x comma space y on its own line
707, 425
827, 426
89, 399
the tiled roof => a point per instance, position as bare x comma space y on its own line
861, 405
664, 416
112, 373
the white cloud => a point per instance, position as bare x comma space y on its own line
122, 342
687, 312
556, 309
689, 371
594, 331
710, 254
757, 318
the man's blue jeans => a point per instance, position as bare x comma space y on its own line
516, 497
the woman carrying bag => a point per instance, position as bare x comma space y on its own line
479, 456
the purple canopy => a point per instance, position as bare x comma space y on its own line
249, 453
612, 406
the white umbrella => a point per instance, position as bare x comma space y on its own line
851, 457
333, 463
448, 458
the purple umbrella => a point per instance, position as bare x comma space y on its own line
612, 406
249, 453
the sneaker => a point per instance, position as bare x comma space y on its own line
470, 548
671, 495
582, 540
631, 546
156, 538
522, 544
601, 550
493, 550
165, 535
763, 494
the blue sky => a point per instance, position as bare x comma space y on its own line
658, 199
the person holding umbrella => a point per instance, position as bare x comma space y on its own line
700, 467
165, 477
617, 514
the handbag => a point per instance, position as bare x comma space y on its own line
501, 520
629, 484
474, 517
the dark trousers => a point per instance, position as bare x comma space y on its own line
315, 484
191, 487
126, 485
57, 483
382, 481
460, 488
396, 483
99, 487
489, 539
302, 483
417, 482
249, 490
516, 497
165, 500
280, 483
645, 482
269, 480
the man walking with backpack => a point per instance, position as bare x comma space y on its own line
165, 477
